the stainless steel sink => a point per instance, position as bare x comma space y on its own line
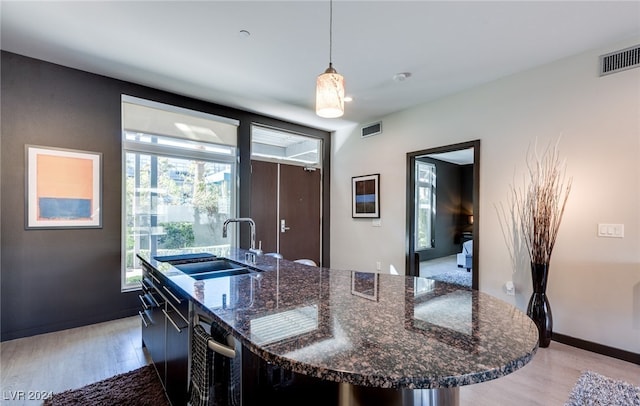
212, 269
185, 258
219, 274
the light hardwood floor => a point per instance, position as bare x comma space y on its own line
548, 379
68, 359
73, 358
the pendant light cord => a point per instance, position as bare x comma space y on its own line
330, 31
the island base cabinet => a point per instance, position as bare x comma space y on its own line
153, 339
264, 383
153, 323
353, 395
165, 335
177, 354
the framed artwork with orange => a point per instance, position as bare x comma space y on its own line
63, 188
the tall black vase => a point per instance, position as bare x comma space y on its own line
539, 309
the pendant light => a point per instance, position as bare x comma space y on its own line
330, 84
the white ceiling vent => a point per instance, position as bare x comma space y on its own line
372, 129
620, 60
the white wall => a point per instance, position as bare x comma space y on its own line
594, 284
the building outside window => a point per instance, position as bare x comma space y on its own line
425, 205
178, 191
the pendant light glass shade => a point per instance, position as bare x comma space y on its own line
330, 84
330, 94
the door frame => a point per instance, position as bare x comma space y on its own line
412, 264
244, 147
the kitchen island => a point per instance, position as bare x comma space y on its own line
382, 339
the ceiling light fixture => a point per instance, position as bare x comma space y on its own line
330, 84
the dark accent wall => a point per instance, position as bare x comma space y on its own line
454, 195
466, 194
57, 279
467, 185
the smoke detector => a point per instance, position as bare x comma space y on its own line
401, 76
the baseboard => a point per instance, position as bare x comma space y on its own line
598, 348
50, 328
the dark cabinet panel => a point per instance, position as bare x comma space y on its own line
266, 384
153, 324
165, 334
177, 351
155, 340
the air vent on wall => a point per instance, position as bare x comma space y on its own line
372, 129
620, 60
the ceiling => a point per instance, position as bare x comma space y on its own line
197, 49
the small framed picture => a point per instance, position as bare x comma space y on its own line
365, 196
63, 188
365, 285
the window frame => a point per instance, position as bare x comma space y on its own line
431, 186
177, 152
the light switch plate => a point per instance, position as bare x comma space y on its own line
610, 230
376, 222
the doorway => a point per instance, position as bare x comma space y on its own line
285, 205
287, 192
442, 213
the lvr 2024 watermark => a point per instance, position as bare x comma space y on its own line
26, 395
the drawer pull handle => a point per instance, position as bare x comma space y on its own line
154, 299
171, 321
147, 285
142, 317
171, 294
144, 303
176, 311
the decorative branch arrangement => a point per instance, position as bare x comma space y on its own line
540, 204
535, 212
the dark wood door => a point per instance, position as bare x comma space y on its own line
290, 193
264, 204
300, 213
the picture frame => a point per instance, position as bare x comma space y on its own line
365, 285
63, 188
365, 201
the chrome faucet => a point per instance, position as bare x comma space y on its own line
252, 224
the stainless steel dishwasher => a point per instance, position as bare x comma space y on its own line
216, 365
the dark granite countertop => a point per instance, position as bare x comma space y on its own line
362, 328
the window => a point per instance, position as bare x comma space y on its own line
177, 191
282, 146
425, 205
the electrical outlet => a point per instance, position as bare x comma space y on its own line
510, 288
378, 266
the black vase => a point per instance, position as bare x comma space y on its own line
539, 309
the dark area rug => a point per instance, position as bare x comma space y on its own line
140, 387
595, 389
458, 277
